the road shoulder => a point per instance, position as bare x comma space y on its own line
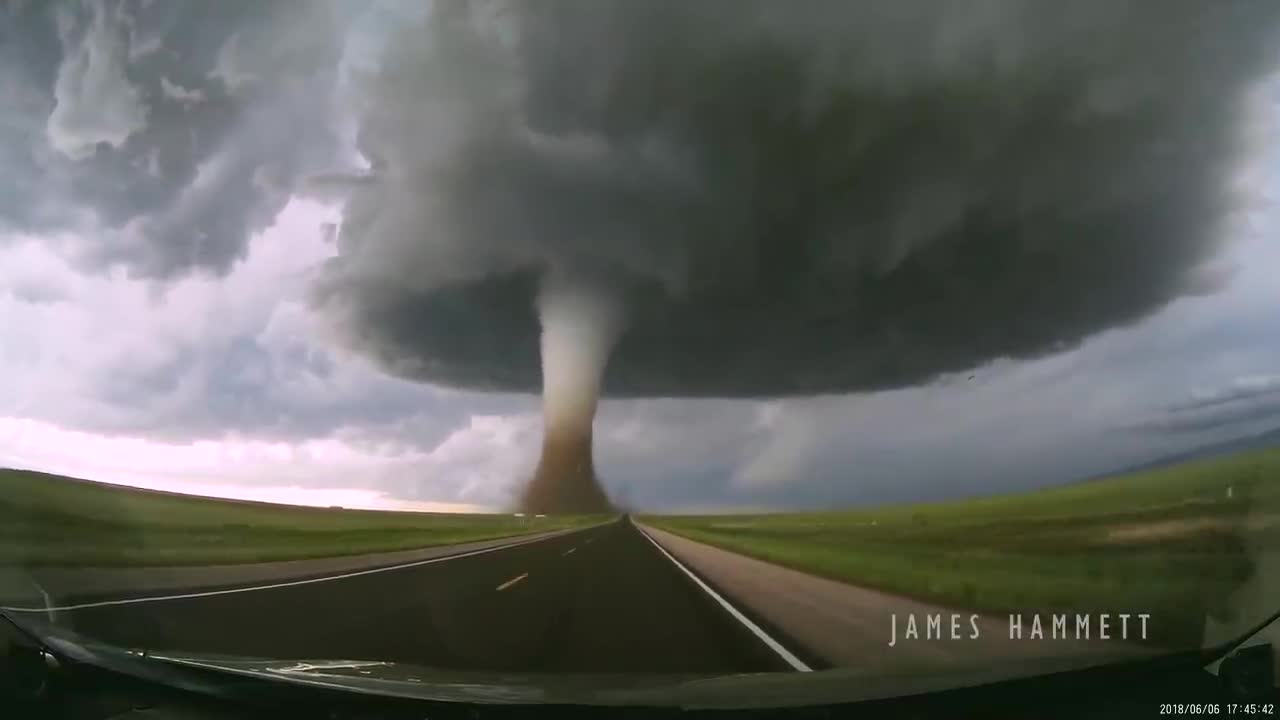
847, 625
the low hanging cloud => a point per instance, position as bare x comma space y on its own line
1250, 402
856, 197
1244, 389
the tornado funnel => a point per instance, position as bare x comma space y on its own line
579, 328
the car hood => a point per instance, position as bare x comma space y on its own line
689, 691
395, 679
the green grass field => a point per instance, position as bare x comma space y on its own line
48, 520
1171, 542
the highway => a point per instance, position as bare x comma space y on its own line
601, 600
615, 598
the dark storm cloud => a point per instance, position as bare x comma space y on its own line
854, 196
171, 130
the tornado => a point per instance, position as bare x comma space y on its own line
579, 329
731, 200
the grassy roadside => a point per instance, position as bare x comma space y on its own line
49, 520
1173, 542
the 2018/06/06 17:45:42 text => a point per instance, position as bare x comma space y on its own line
1230, 709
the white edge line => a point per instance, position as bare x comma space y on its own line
291, 583
774, 645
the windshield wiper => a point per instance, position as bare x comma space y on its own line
1222, 650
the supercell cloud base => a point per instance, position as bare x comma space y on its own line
849, 199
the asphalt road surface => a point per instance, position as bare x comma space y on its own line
600, 600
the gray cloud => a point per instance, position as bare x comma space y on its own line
242, 386
1252, 387
94, 101
663, 453
1233, 418
202, 358
855, 197
1011, 427
122, 130
1242, 404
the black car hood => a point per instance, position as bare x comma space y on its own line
689, 691
198, 672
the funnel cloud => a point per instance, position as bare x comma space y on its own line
855, 197
579, 327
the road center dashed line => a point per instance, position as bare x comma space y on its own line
289, 583
569, 551
512, 581
795, 662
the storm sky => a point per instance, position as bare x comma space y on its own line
274, 250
